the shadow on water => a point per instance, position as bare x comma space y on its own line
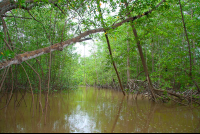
98, 111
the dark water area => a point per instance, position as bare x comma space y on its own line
98, 111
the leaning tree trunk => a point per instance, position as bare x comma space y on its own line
185, 30
141, 54
189, 51
109, 48
143, 61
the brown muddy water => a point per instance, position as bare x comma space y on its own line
98, 111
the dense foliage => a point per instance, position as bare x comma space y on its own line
164, 46
32, 25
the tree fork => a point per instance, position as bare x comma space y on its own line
59, 46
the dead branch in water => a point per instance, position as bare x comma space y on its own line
184, 98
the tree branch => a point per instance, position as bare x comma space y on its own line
59, 46
7, 5
15, 17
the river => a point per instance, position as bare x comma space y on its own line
95, 110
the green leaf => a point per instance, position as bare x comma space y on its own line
1, 57
1, 35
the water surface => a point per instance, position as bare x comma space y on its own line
98, 111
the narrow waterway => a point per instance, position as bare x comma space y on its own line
98, 111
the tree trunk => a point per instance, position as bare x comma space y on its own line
128, 62
59, 46
152, 56
189, 51
141, 54
193, 43
109, 48
120, 83
143, 61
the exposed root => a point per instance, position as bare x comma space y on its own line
186, 98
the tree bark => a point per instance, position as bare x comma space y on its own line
143, 61
152, 56
193, 43
128, 62
120, 83
59, 46
189, 51
141, 55
109, 48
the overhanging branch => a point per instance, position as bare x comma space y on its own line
16, 17
59, 46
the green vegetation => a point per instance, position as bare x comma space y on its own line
153, 41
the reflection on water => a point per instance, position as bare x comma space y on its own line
98, 110
81, 122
